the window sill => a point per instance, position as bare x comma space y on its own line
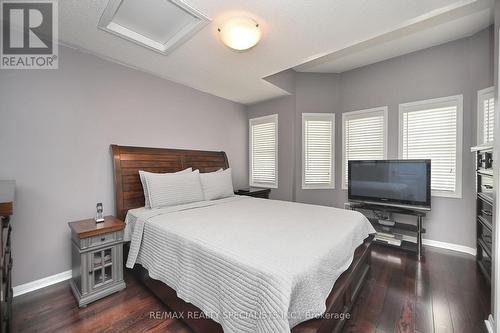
447, 195
321, 187
262, 185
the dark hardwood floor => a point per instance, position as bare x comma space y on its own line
443, 293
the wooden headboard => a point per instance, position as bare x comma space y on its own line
128, 161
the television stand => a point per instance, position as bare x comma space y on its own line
404, 236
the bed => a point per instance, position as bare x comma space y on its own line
240, 264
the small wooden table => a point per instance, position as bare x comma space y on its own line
256, 192
97, 259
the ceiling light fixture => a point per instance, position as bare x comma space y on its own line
240, 33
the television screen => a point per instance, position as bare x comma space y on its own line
391, 182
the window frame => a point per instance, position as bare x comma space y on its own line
320, 116
481, 96
273, 118
357, 115
431, 104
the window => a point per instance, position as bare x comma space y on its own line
264, 151
432, 129
317, 150
485, 115
364, 137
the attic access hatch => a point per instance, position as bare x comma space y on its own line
160, 25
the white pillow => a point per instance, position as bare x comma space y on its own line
145, 188
173, 189
217, 185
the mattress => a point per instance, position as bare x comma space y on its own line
252, 265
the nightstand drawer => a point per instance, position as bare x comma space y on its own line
99, 240
103, 239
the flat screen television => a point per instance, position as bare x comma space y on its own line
399, 183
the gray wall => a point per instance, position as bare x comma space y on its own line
317, 93
459, 67
285, 108
55, 131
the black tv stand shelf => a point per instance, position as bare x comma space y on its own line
397, 226
391, 209
409, 235
405, 246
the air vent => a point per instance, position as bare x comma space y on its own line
160, 25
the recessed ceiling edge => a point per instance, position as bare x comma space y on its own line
106, 24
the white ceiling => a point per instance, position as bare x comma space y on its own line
308, 35
435, 30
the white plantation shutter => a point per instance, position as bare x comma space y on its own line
364, 137
317, 150
486, 115
432, 130
489, 112
264, 151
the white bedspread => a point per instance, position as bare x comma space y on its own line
253, 265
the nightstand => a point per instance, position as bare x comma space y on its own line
97, 259
255, 192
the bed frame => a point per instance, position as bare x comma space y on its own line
129, 194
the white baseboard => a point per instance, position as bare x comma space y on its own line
41, 283
63, 276
450, 246
490, 324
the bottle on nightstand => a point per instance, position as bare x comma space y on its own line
99, 217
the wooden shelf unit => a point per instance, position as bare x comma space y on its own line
7, 188
485, 207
